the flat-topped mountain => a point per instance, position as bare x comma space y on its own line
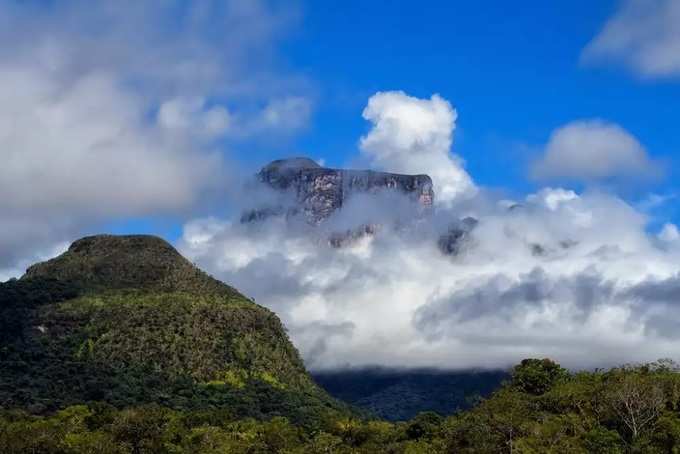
319, 191
315, 193
127, 320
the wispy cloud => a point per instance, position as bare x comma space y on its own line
116, 109
642, 34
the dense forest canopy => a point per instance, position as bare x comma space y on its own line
168, 360
542, 409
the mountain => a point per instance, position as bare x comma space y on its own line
302, 189
120, 345
128, 321
317, 192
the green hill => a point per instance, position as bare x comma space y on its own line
126, 320
121, 346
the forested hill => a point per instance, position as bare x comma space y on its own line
542, 409
128, 321
121, 346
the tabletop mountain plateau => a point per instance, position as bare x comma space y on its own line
305, 190
318, 191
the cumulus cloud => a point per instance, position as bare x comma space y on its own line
412, 135
120, 109
555, 274
573, 276
642, 34
85, 147
669, 233
592, 150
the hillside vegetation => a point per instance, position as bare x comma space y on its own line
128, 321
122, 346
542, 409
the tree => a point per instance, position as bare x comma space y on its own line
636, 400
425, 424
600, 440
537, 376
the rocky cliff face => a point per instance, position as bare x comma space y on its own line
314, 193
318, 191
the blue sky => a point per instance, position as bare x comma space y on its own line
147, 117
513, 71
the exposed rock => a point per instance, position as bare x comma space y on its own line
313, 193
318, 191
452, 242
340, 239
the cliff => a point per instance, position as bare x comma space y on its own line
318, 191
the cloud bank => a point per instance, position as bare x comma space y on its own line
575, 277
642, 34
122, 109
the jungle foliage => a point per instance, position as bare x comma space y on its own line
623, 410
128, 321
122, 346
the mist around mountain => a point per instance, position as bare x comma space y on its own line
120, 345
363, 276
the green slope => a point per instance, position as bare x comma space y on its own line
127, 320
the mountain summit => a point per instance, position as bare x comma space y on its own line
314, 193
127, 320
130, 261
319, 191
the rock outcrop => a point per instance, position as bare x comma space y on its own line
456, 237
305, 190
319, 191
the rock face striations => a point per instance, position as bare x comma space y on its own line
318, 192
304, 190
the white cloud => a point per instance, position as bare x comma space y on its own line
290, 113
552, 198
669, 233
412, 135
654, 201
591, 150
191, 116
114, 110
643, 34
555, 275
84, 147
